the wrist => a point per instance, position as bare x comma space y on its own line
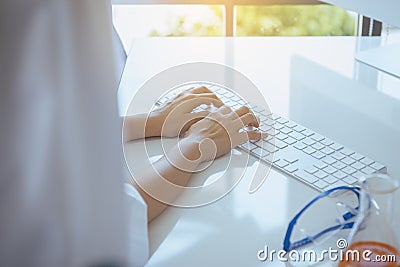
185, 156
190, 148
154, 124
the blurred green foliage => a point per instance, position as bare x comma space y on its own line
293, 20
280, 20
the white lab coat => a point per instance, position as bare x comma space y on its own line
61, 166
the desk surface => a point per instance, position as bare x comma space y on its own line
230, 231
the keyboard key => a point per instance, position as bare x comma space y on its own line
320, 165
281, 120
270, 147
281, 136
307, 132
269, 122
336, 146
272, 132
268, 157
338, 156
278, 126
275, 116
297, 136
291, 124
259, 152
317, 137
357, 156
327, 142
358, 175
347, 160
309, 150
311, 169
318, 155
346, 151
308, 141
229, 94
305, 176
349, 170
339, 165
266, 113
286, 130
255, 108
328, 160
265, 128
357, 165
320, 174
318, 146
367, 161
236, 99
368, 170
300, 145
276, 159
258, 142
290, 158
290, 140
248, 146
280, 144
269, 137
290, 168
299, 128
229, 103
377, 166
329, 169
321, 184
327, 150
339, 174
330, 179
281, 163
350, 180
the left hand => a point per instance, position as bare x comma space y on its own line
175, 116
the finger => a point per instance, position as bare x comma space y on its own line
218, 101
252, 135
184, 92
224, 110
248, 119
201, 90
242, 110
192, 101
190, 122
200, 114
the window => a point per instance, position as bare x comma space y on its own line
294, 20
170, 19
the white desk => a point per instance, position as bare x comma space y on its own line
230, 231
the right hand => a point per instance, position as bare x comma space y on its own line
218, 133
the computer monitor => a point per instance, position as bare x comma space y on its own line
362, 119
384, 58
383, 10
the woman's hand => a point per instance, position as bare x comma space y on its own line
176, 116
222, 130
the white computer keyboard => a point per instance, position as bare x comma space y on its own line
301, 153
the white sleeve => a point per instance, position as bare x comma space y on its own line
62, 193
138, 248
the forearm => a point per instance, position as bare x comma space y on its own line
153, 177
141, 126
